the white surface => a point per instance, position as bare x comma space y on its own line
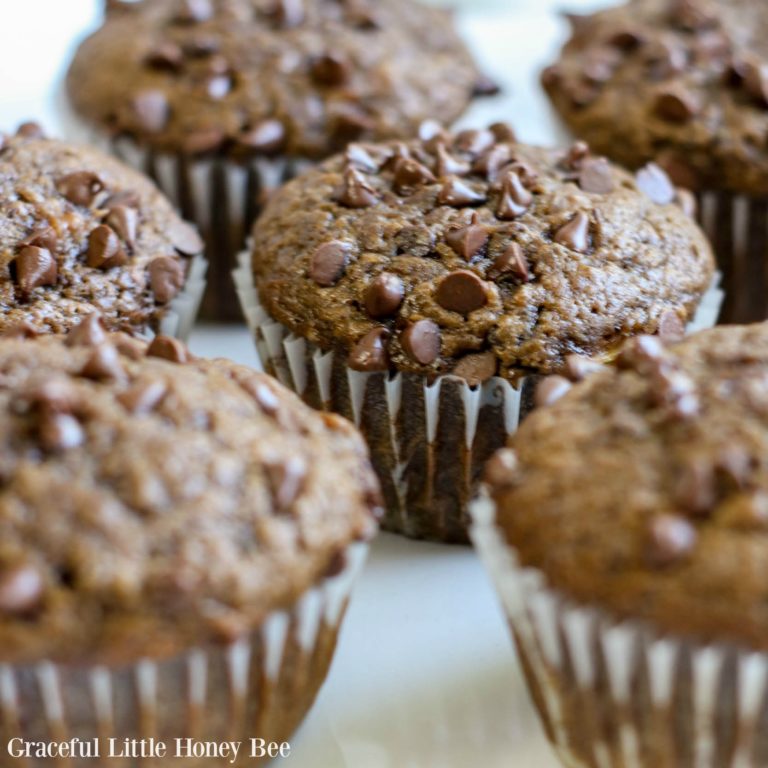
425, 675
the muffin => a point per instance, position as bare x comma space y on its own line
625, 529
81, 232
224, 99
683, 83
421, 288
139, 599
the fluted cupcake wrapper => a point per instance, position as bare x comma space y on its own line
181, 313
429, 439
258, 687
617, 694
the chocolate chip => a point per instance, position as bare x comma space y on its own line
168, 348
599, 65
490, 163
468, 241
485, 86
671, 325
676, 105
361, 158
329, 262
89, 332
671, 539
578, 367
185, 238
143, 396
410, 174
199, 46
151, 110
503, 132
286, 479
30, 130
80, 188
694, 489
355, 192
674, 392
166, 55
575, 233
477, 368
551, 389
288, 13
60, 432
331, 70
461, 291
577, 153
193, 11
43, 238
431, 130
265, 396
664, 59
655, 183
370, 353
35, 267
642, 353
203, 141
448, 165
103, 364
501, 469
627, 39
56, 394
515, 198
21, 589
349, 122
384, 295
595, 176
265, 138
166, 278
474, 142
124, 220
421, 341
691, 14
128, 346
457, 194
511, 262
22, 330
756, 81
104, 249
362, 17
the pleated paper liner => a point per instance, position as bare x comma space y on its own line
428, 439
618, 694
260, 687
181, 313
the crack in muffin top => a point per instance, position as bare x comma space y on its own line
299, 78
80, 231
476, 255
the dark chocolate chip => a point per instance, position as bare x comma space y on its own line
511, 262
477, 368
551, 389
105, 249
166, 55
185, 238
421, 341
575, 233
103, 364
166, 278
462, 291
21, 589
627, 39
168, 348
370, 353
655, 183
329, 262
384, 295
671, 539
266, 137
458, 194
331, 70
143, 396
355, 192
468, 241
80, 188
124, 220
35, 267
677, 105
89, 332
595, 176
151, 110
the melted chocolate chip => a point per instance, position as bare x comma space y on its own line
35, 267
421, 341
575, 233
329, 262
384, 295
166, 278
104, 249
462, 291
370, 353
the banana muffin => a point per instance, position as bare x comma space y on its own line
134, 591
81, 232
260, 87
626, 527
683, 83
427, 284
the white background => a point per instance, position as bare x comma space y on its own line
425, 675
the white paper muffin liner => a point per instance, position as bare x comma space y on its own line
258, 687
620, 694
413, 426
180, 315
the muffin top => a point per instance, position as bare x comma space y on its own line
475, 255
684, 82
80, 231
150, 501
259, 77
644, 489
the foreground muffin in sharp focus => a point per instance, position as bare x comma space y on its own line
683, 82
421, 288
260, 86
627, 532
178, 539
81, 232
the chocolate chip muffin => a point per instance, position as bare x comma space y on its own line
133, 591
81, 232
430, 282
246, 81
634, 509
682, 83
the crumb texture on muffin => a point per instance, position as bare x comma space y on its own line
644, 490
80, 232
260, 77
473, 254
151, 502
680, 81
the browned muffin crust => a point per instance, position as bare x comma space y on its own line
680, 81
260, 77
80, 231
644, 490
150, 502
475, 255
